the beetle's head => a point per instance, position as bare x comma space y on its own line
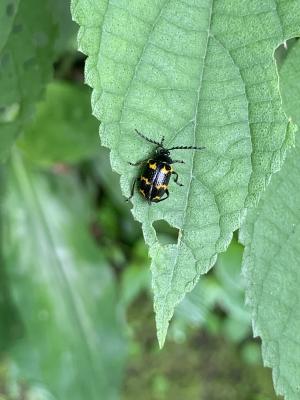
161, 151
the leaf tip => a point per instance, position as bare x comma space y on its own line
161, 334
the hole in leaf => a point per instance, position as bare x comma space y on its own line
282, 50
166, 233
10, 9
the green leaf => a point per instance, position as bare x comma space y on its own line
63, 130
26, 56
199, 73
271, 261
225, 289
135, 278
271, 267
195, 308
62, 287
66, 41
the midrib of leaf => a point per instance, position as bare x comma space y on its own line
180, 235
195, 118
28, 193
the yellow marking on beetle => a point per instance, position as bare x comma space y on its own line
152, 165
146, 180
142, 192
165, 171
162, 186
156, 198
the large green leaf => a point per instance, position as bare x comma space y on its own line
62, 287
26, 55
199, 73
271, 235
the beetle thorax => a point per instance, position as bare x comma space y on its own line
163, 155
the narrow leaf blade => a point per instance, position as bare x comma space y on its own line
62, 287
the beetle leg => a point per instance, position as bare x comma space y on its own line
177, 161
176, 178
137, 163
132, 189
165, 198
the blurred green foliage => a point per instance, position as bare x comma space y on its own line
76, 320
27, 36
61, 285
63, 129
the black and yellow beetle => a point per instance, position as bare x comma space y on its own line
154, 180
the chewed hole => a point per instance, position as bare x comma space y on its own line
282, 50
166, 233
10, 9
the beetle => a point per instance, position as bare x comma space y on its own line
154, 180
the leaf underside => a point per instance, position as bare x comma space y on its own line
271, 258
199, 73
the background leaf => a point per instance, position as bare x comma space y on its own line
222, 290
199, 73
7, 13
27, 34
62, 287
66, 40
63, 118
271, 260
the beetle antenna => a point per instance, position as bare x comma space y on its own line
149, 140
186, 148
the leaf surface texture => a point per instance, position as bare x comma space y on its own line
199, 73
